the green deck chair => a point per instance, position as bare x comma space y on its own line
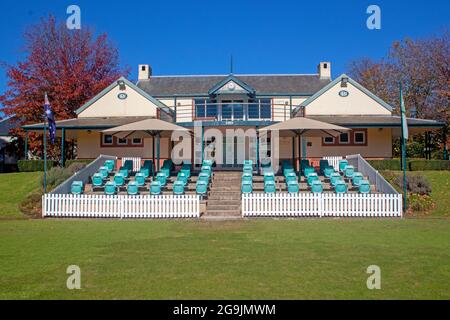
312, 177
322, 165
155, 188
182, 177
364, 187
161, 178
247, 177
341, 187
307, 171
269, 187
201, 187
104, 171
248, 163
328, 171
148, 164
124, 171
349, 171
287, 171
178, 187
204, 176
335, 177
317, 186
165, 171
110, 164
97, 180
342, 164
269, 176
76, 187
207, 162
291, 177
357, 178
110, 188
168, 164
304, 163
119, 179
139, 178
292, 186
246, 187
132, 188
145, 171
248, 169
128, 164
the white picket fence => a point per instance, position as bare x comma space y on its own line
321, 205
121, 206
333, 161
136, 162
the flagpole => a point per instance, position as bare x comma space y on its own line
45, 149
403, 116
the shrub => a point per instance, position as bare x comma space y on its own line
391, 164
68, 163
58, 175
421, 165
34, 165
416, 184
417, 202
412, 165
75, 167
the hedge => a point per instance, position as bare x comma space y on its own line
34, 165
412, 165
424, 165
84, 161
392, 164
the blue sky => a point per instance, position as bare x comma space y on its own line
198, 37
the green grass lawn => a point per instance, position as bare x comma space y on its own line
254, 259
14, 187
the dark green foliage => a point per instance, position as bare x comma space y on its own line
412, 165
34, 165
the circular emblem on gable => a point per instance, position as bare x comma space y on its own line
231, 86
122, 96
343, 93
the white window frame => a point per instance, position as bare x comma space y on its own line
364, 136
122, 143
348, 140
105, 142
136, 143
332, 142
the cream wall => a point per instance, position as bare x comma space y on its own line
357, 103
282, 107
89, 147
135, 105
379, 145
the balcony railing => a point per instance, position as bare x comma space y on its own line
233, 111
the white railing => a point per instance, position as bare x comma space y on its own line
136, 162
120, 206
321, 205
333, 161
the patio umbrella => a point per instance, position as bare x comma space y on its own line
146, 128
302, 126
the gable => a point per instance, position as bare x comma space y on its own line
359, 101
114, 101
231, 85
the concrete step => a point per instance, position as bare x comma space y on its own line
235, 206
214, 202
223, 213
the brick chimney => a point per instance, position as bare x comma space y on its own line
324, 70
144, 72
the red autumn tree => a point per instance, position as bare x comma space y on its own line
70, 65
